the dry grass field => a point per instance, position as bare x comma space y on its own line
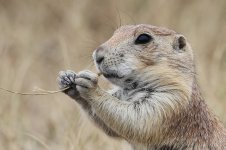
38, 38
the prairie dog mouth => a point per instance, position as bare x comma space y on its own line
112, 75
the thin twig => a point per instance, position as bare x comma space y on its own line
44, 92
39, 91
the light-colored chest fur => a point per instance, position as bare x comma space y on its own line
131, 95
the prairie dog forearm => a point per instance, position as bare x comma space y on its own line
73, 93
103, 126
92, 115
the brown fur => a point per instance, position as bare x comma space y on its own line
196, 126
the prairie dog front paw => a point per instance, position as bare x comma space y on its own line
86, 83
67, 79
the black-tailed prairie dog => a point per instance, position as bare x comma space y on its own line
156, 103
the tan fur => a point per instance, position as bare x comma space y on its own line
161, 108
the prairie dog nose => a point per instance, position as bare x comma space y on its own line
99, 54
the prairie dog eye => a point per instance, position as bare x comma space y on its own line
143, 39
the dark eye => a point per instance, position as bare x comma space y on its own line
143, 39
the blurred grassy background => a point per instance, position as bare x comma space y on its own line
40, 38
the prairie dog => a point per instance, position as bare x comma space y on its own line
157, 104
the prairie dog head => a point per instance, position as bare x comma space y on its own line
135, 50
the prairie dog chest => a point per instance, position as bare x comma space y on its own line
135, 95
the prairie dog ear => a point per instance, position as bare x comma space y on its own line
179, 43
